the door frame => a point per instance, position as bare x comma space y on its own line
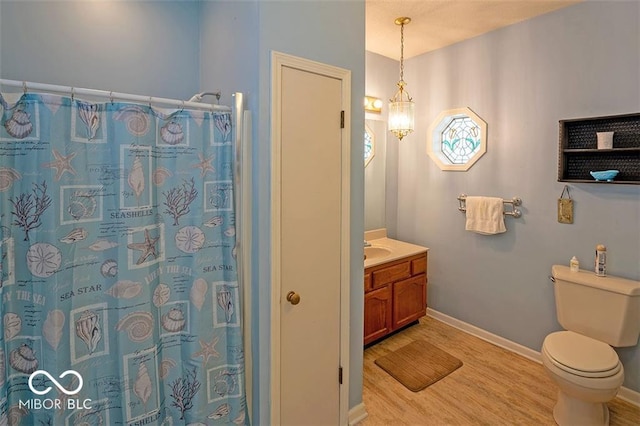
278, 62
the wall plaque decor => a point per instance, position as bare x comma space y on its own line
565, 207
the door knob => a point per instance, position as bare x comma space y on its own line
293, 297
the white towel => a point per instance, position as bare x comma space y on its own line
485, 215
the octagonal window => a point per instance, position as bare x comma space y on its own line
457, 139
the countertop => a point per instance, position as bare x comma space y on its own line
399, 249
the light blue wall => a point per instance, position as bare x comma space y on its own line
331, 32
229, 49
177, 48
581, 61
146, 48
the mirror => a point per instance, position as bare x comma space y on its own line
375, 175
369, 145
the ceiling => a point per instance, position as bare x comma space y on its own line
439, 23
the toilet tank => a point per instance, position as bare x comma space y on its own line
604, 308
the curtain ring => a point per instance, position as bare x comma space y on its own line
73, 94
182, 107
111, 97
150, 98
24, 87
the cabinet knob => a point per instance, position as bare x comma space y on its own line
293, 297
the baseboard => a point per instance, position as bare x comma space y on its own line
629, 395
485, 335
625, 394
357, 414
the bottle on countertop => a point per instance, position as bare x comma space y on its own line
574, 264
601, 261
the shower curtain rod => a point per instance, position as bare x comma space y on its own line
26, 86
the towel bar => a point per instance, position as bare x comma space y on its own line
515, 201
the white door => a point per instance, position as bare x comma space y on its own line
310, 251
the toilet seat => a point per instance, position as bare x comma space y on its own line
581, 355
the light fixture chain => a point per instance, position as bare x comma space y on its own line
402, 52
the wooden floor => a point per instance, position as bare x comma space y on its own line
494, 386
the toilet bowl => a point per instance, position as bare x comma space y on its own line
598, 314
588, 374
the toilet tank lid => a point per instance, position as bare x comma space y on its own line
588, 278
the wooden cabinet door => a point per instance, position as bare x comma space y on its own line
409, 300
377, 319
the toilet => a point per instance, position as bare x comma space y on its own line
596, 314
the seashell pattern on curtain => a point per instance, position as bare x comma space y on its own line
117, 248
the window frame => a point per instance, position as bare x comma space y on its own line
434, 138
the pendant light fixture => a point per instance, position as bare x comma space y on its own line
401, 107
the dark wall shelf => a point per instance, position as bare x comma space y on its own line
578, 153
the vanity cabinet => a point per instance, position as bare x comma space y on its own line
395, 295
409, 301
377, 314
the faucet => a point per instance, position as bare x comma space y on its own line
367, 243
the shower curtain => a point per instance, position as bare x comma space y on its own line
119, 295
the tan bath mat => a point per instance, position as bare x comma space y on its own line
418, 364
